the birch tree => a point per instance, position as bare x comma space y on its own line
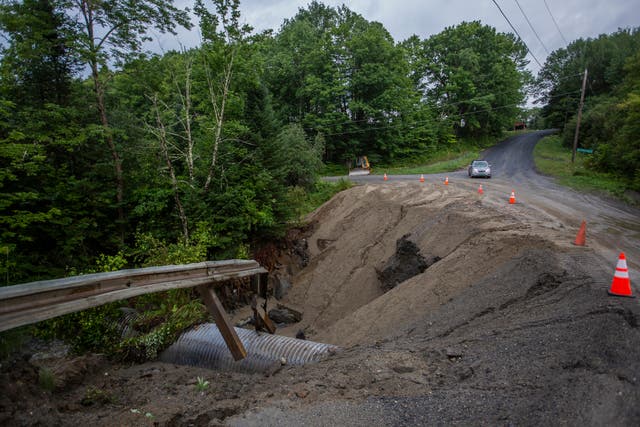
107, 32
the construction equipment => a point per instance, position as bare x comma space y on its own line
362, 167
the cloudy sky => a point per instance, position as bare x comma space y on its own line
402, 18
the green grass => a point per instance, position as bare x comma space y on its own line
552, 158
12, 341
436, 160
444, 162
306, 202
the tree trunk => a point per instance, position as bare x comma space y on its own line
87, 12
186, 122
117, 162
161, 134
219, 113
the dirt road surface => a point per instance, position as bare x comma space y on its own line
451, 308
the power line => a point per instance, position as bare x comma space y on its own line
531, 26
554, 21
438, 107
416, 122
516, 31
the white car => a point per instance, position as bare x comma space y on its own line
479, 168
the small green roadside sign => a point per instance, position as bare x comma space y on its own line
585, 150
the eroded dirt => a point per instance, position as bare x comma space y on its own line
452, 308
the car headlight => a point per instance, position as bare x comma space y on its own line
475, 170
488, 170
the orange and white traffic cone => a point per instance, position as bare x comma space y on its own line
581, 236
621, 285
421, 178
446, 180
480, 190
512, 199
385, 177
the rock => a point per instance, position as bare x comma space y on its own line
453, 353
464, 372
283, 314
403, 369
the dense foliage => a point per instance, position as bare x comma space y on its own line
612, 99
104, 147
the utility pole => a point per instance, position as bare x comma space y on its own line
575, 137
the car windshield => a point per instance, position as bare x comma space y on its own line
480, 164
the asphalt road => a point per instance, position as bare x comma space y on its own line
612, 226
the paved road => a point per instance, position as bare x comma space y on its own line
612, 226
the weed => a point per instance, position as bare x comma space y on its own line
303, 202
94, 395
201, 384
46, 379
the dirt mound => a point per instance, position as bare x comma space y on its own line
389, 239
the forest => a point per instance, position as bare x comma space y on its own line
203, 153
114, 157
610, 123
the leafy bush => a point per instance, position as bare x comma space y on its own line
161, 327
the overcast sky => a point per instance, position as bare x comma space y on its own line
402, 18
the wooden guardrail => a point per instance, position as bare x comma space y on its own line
36, 301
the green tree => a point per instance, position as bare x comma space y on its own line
45, 190
477, 75
112, 31
37, 64
292, 159
559, 81
338, 74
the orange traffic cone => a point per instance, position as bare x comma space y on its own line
446, 180
480, 190
385, 177
621, 285
512, 199
421, 178
581, 236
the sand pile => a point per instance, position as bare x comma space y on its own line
383, 256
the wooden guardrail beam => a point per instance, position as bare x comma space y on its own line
222, 321
32, 302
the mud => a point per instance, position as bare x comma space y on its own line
511, 326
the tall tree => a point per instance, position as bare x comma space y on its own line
476, 76
223, 37
37, 63
558, 83
112, 31
50, 195
338, 74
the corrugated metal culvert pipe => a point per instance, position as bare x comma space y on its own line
204, 346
